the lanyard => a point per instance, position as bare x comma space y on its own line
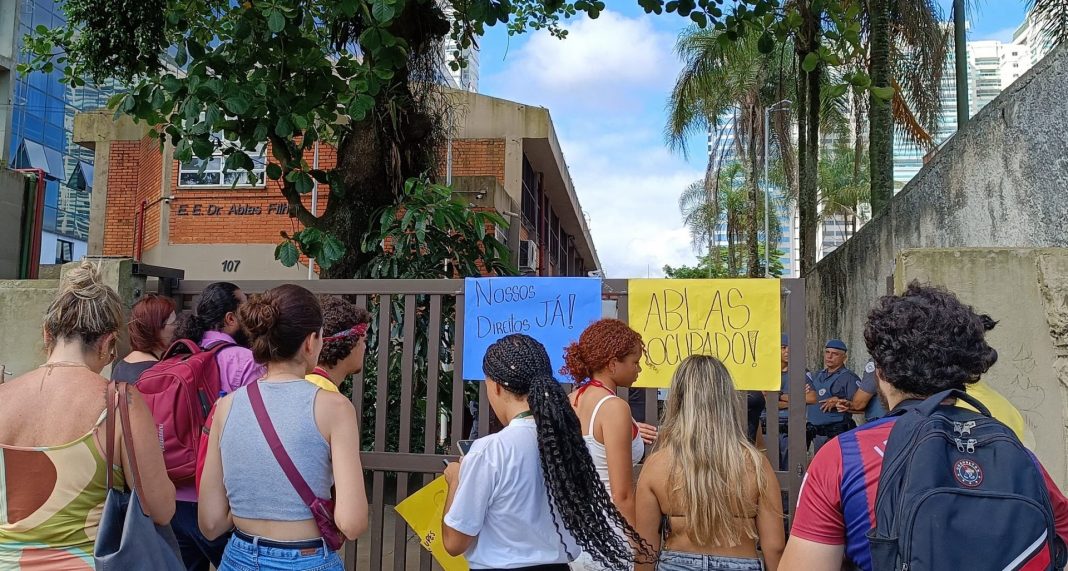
322, 373
524, 414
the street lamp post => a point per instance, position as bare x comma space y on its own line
783, 105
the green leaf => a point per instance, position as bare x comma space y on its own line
835, 91
274, 172
884, 93
382, 12
237, 104
283, 128
170, 83
810, 62
203, 147
287, 253
766, 43
114, 100
349, 7
276, 21
331, 251
303, 183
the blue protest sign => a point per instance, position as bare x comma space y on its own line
554, 311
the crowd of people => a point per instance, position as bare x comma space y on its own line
279, 484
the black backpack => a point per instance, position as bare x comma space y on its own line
959, 491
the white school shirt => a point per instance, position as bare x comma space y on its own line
501, 499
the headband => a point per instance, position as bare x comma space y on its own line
359, 330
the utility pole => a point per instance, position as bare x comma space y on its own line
960, 48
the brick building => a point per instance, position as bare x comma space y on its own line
504, 156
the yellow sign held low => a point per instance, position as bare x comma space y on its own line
424, 511
735, 320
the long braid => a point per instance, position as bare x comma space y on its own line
520, 365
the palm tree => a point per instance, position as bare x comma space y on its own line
726, 203
731, 80
1053, 18
905, 49
842, 188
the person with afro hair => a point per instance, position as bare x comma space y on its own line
344, 342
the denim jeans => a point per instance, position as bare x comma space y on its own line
682, 561
243, 555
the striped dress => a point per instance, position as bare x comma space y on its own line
51, 500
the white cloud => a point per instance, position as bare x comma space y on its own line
605, 87
610, 61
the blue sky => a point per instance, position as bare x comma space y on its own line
606, 86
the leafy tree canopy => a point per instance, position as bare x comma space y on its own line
231, 75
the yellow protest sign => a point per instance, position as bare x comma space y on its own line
423, 511
736, 320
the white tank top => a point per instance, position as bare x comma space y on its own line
598, 452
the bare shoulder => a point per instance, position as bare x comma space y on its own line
616, 407
336, 405
658, 463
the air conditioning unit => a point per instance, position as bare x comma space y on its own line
528, 256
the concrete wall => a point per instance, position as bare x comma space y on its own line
22, 308
23, 304
1026, 292
999, 182
12, 197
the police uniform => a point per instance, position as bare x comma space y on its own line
826, 384
869, 384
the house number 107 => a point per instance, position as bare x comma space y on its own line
230, 265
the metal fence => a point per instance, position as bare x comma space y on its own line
399, 465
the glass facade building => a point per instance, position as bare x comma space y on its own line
41, 137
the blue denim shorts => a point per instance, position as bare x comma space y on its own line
261, 554
682, 561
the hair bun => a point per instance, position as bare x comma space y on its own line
259, 316
84, 282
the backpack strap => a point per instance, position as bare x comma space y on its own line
189, 347
928, 406
279, 451
181, 347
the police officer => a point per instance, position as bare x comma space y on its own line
864, 398
784, 402
830, 387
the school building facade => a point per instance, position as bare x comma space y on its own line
503, 156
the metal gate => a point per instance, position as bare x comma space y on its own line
403, 454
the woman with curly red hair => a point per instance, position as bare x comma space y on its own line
607, 357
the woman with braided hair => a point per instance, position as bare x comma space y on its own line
528, 497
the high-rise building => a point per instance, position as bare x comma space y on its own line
1030, 37
992, 66
465, 78
722, 150
36, 125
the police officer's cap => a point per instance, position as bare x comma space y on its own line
785, 340
837, 344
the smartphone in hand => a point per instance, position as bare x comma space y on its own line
464, 446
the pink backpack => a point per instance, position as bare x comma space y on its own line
180, 391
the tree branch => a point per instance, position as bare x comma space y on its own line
289, 191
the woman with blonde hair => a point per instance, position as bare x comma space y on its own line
707, 498
52, 437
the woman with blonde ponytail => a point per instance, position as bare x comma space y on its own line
53, 472
707, 498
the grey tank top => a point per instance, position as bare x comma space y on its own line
255, 484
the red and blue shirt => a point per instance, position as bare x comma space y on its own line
836, 505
